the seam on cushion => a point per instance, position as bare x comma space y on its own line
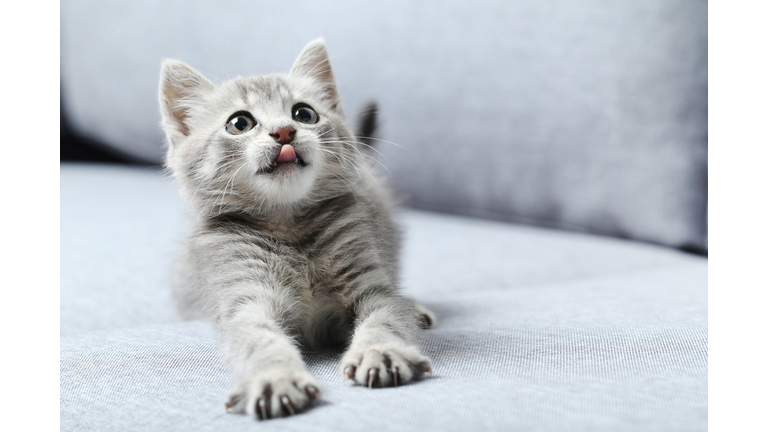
560, 225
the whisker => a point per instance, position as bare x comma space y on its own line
355, 142
333, 128
352, 144
345, 158
231, 179
354, 165
209, 51
389, 142
223, 193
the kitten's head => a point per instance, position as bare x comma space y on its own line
257, 143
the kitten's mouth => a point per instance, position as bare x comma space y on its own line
286, 159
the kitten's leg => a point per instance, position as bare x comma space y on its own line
273, 380
383, 350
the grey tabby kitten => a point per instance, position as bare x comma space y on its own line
294, 243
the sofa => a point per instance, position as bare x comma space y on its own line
551, 161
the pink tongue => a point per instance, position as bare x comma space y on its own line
286, 154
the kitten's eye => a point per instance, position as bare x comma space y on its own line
240, 123
305, 114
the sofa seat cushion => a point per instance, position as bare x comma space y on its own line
619, 353
537, 329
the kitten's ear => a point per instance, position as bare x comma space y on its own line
181, 88
314, 62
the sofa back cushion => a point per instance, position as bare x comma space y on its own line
587, 115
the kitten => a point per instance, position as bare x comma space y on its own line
294, 242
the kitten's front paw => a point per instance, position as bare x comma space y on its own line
277, 392
384, 365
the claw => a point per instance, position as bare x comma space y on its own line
349, 372
429, 370
312, 392
262, 404
286, 402
232, 402
394, 374
372, 375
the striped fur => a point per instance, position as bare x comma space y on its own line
282, 258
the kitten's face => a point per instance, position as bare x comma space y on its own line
261, 142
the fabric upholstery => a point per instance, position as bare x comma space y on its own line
588, 116
538, 330
121, 228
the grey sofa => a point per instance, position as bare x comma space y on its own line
552, 161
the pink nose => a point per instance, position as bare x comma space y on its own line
283, 135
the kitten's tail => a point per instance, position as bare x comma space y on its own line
367, 124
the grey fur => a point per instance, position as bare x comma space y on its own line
303, 255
